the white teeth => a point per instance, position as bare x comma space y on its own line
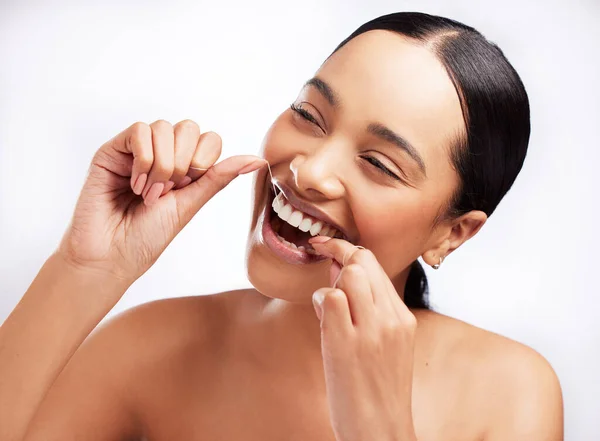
295, 219
277, 203
305, 225
293, 245
299, 220
315, 228
289, 244
285, 212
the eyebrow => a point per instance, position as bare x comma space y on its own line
376, 129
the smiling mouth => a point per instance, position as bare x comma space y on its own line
293, 227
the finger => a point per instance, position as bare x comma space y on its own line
207, 152
354, 281
136, 140
336, 321
340, 250
191, 198
163, 146
187, 134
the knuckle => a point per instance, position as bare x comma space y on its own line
139, 129
211, 141
335, 297
353, 270
144, 160
391, 327
139, 126
161, 124
214, 135
360, 256
214, 177
188, 125
366, 254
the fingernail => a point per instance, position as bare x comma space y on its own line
252, 166
154, 192
146, 189
139, 183
168, 186
185, 181
134, 178
318, 297
317, 303
319, 239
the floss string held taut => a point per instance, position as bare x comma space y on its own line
268, 166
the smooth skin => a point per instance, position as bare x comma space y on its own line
266, 363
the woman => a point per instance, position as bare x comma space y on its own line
400, 146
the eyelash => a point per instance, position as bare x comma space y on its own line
382, 168
306, 115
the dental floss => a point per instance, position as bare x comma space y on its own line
274, 189
270, 173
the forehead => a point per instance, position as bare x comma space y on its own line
381, 76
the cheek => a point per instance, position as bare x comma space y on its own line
395, 232
282, 140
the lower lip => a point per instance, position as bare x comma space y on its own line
287, 254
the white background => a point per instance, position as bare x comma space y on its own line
72, 75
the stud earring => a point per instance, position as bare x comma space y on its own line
437, 265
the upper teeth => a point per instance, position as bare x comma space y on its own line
301, 220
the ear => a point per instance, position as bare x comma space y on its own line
452, 234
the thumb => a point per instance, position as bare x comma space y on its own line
192, 198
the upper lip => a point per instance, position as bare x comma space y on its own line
309, 209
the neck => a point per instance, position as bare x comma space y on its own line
297, 323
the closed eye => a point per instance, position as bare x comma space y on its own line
381, 167
304, 114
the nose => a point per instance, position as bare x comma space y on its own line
318, 173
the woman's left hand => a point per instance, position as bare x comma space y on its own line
367, 338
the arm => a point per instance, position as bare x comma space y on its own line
61, 307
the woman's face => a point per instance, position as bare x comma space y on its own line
379, 101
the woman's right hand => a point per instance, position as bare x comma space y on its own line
125, 216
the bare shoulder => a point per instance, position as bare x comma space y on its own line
485, 348
509, 382
127, 363
165, 329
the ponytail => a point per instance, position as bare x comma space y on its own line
416, 291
